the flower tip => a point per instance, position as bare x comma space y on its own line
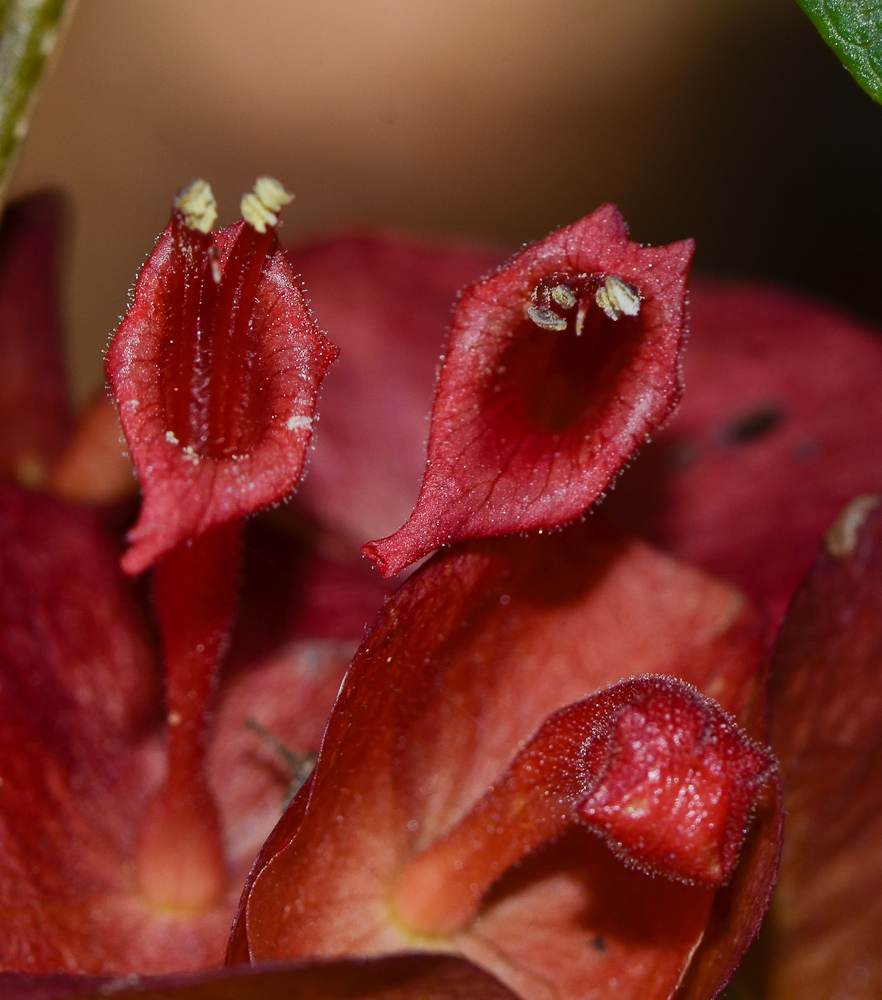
260, 207
196, 203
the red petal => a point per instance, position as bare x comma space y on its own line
34, 408
386, 301
779, 428
530, 425
214, 443
827, 729
404, 977
478, 648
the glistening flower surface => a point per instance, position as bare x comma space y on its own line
578, 604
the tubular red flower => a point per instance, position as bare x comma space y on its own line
557, 368
215, 370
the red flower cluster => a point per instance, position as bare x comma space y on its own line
544, 773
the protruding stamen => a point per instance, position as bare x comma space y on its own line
564, 296
261, 206
196, 204
545, 318
617, 298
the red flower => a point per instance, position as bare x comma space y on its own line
473, 705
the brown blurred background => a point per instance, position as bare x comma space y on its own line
500, 119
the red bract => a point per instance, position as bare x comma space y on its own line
827, 729
386, 301
215, 370
778, 429
479, 648
404, 977
556, 368
81, 754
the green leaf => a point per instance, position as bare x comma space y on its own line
853, 29
28, 30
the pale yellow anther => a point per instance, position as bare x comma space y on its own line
565, 297
260, 207
617, 298
197, 205
272, 194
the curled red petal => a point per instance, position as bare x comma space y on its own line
679, 784
826, 704
215, 369
479, 648
557, 367
658, 770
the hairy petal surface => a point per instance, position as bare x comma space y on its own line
215, 370
778, 430
826, 708
556, 369
480, 647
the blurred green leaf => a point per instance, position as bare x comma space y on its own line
28, 30
853, 29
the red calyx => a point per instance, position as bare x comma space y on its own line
557, 368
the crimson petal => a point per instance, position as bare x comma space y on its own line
827, 729
215, 369
557, 367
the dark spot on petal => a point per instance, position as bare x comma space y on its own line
753, 425
598, 943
